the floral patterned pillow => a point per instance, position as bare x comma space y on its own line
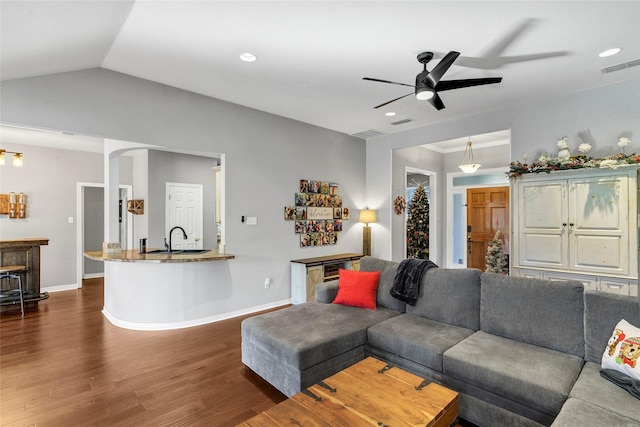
622, 353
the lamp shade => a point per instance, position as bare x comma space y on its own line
18, 160
367, 216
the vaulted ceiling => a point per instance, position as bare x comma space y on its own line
312, 55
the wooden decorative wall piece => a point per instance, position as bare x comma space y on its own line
135, 206
14, 205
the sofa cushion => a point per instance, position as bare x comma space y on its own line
306, 334
416, 338
602, 311
387, 271
540, 312
592, 388
357, 288
531, 375
578, 413
451, 296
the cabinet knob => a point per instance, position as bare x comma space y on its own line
570, 224
564, 224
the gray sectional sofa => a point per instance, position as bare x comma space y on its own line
519, 351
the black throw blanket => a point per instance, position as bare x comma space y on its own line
621, 380
406, 284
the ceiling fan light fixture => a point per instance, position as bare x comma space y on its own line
424, 94
248, 57
609, 52
468, 164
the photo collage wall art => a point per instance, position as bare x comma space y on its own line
317, 212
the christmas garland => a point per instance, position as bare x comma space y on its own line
400, 205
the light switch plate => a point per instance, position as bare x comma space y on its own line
252, 220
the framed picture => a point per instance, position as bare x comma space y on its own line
337, 225
289, 213
301, 199
301, 226
314, 186
333, 238
304, 186
316, 239
345, 213
328, 226
301, 213
333, 188
324, 187
305, 240
337, 213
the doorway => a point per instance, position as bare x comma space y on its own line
474, 209
90, 226
415, 178
487, 214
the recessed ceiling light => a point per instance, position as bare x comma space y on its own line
390, 113
248, 57
609, 52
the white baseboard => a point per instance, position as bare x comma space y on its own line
93, 275
59, 288
189, 323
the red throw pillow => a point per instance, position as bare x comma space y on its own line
357, 288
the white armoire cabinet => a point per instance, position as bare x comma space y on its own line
577, 224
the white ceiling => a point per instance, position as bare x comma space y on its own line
312, 55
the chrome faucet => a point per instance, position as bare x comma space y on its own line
184, 235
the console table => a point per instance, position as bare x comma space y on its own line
23, 252
309, 272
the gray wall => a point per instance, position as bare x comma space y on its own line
49, 178
604, 113
266, 156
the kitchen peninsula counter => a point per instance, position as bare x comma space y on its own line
133, 255
159, 291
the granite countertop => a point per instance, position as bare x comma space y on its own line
132, 255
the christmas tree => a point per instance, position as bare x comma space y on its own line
418, 225
496, 259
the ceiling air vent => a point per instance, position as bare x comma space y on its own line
401, 122
371, 133
622, 66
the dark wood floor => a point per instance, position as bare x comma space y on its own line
64, 364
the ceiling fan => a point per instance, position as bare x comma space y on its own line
428, 83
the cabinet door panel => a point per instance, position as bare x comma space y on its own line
543, 250
598, 238
542, 212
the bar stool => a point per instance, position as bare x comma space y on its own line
12, 272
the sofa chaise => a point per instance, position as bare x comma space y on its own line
519, 351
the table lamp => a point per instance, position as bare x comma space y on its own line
367, 216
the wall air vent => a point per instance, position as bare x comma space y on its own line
372, 133
401, 122
622, 66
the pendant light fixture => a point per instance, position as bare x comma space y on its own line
468, 164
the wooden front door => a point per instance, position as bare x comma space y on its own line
487, 212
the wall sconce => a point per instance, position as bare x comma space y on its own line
18, 159
367, 216
468, 164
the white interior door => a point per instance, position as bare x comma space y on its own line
184, 209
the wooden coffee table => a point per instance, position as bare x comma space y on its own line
367, 393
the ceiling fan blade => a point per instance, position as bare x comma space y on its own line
438, 71
458, 84
436, 102
393, 100
386, 81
